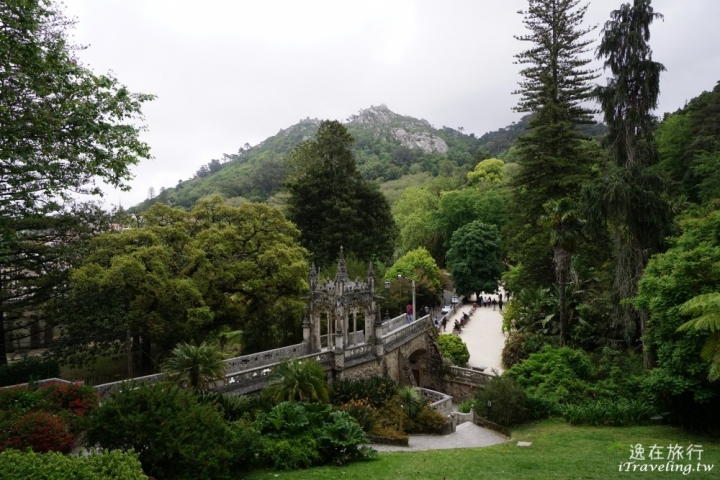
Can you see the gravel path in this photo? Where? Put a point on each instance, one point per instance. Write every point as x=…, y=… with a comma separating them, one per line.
x=467, y=435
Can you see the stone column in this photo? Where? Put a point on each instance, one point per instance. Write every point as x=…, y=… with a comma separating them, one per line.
x=339, y=351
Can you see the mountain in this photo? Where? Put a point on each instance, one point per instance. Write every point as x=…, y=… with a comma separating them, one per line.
x=387, y=146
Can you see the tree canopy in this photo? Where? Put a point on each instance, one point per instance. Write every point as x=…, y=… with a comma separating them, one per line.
x=420, y=266
x=631, y=195
x=64, y=130
x=332, y=204
x=184, y=275
x=475, y=258
x=63, y=126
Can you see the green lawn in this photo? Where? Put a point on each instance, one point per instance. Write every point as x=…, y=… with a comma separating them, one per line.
x=558, y=451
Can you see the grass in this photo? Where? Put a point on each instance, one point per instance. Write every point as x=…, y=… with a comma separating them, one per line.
x=558, y=451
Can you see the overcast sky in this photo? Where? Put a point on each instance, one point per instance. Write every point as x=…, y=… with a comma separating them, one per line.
x=227, y=72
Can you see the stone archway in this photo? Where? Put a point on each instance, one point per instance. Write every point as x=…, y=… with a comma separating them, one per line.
x=418, y=363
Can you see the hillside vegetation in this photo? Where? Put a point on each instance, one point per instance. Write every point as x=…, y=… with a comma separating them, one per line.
x=387, y=147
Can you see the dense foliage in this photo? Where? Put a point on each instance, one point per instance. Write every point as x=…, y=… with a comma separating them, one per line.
x=297, y=380
x=113, y=465
x=173, y=434
x=453, y=347
x=475, y=258
x=688, y=269
x=28, y=370
x=46, y=419
x=183, y=276
x=63, y=129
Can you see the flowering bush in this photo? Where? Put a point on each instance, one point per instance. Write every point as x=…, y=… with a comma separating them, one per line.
x=41, y=431
x=76, y=399
x=45, y=419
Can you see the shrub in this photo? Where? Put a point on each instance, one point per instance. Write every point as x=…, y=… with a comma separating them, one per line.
x=340, y=440
x=291, y=453
x=20, y=400
x=375, y=390
x=454, y=348
x=176, y=436
x=27, y=370
x=607, y=412
x=427, y=420
x=509, y=402
x=233, y=407
x=287, y=419
x=520, y=346
x=76, y=399
x=465, y=406
x=541, y=407
x=558, y=374
x=411, y=400
x=113, y=465
x=362, y=412
x=41, y=431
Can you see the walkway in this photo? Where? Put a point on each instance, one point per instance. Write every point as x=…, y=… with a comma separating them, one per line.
x=467, y=435
x=483, y=336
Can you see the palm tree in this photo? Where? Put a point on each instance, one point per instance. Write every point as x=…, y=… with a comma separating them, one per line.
x=297, y=380
x=561, y=217
x=195, y=367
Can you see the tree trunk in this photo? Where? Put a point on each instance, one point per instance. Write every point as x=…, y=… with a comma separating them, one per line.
x=561, y=257
x=3, y=345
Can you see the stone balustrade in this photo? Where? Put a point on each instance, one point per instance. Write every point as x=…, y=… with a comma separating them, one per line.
x=438, y=400
x=471, y=375
x=256, y=378
x=407, y=332
x=251, y=370
x=245, y=362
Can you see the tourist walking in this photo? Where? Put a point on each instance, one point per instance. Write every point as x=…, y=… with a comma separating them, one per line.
x=500, y=303
x=444, y=323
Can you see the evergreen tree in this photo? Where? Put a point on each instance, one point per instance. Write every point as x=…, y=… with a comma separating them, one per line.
x=332, y=204
x=628, y=198
x=553, y=165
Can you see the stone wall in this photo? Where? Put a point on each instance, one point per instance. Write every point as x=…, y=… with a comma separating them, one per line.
x=462, y=383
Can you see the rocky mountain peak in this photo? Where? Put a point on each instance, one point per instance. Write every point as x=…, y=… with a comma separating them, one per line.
x=375, y=115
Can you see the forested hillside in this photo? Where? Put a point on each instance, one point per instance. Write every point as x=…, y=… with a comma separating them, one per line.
x=387, y=146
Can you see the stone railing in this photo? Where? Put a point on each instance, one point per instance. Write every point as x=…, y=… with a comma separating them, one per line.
x=105, y=389
x=43, y=383
x=409, y=331
x=393, y=324
x=470, y=375
x=438, y=400
x=256, y=378
x=358, y=350
x=259, y=359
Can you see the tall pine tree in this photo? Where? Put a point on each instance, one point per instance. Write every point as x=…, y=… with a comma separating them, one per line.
x=554, y=89
x=629, y=197
x=332, y=204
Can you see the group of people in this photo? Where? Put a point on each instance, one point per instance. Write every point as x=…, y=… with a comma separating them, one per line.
x=494, y=301
x=440, y=324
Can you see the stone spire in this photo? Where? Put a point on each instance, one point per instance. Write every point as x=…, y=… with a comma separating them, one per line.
x=341, y=273
x=313, y=275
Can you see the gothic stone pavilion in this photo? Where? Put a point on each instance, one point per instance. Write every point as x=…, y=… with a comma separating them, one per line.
x=340, y=313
